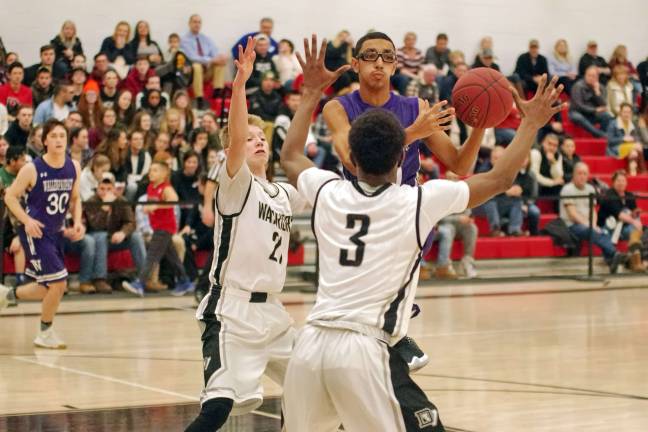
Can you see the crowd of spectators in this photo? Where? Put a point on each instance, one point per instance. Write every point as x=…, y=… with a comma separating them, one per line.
x=142, y=126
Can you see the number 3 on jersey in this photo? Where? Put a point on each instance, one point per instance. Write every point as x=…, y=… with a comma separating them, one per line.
x=355, y=239
x=57, y=203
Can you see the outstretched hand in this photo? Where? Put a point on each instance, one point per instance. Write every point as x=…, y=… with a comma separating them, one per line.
x=431, y=119
x=544, y=104
x=245, y=62
x=316, y=77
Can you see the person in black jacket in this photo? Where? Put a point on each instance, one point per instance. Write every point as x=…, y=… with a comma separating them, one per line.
x=262, y=64
x=266, y=102
x=143, y=45
x=531, y=65
x=591, y=58
x=116, y=46
x=67, y=45
x=589, y=104
x=47, y=57
x=527, y=181
x=19, y=130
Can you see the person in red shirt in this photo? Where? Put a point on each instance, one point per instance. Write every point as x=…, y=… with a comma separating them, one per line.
x=14, y=94
x=505, y=131
x=136, y=80
x=163, y=222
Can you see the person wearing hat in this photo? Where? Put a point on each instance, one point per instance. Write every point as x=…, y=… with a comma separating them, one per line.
x=89, y=105
x=56, y=106
x=262, y=63
x=531, y=66
x=266, y=102
x=485, y=58
x=591, y=57
x=112, y=226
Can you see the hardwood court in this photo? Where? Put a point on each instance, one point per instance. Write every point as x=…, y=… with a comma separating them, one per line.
x=533, y=356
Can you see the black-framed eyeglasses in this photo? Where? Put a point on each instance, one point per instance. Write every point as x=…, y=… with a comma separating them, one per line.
x=372, y=56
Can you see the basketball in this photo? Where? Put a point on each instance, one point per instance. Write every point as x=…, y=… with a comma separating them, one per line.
x=481, y=98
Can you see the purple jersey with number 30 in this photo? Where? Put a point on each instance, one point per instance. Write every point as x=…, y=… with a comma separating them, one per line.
x=49, y=200
x=406, y=109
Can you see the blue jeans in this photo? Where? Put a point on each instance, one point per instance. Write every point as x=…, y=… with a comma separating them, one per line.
x=447, y=231
x=504, y=136
x=86, y=249
x=134, y=243
x=499, y=207
x=533, y=218
x=600, y=239
x=586, y=121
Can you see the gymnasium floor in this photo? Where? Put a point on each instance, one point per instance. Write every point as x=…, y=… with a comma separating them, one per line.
x=531, y=356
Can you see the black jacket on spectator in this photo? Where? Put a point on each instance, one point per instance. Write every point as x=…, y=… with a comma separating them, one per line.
x=568, y=167
x=58, y=72
x=262, y=64
x=588, y=60
x=15, y=136
x=478, y=63
x=584, y=100
x=59, y=47
x=39, y=94
x=112, y=52
x=527, y=69
x=266, y=105
x=612, y=204
x=527, y=181
x=187, y=189
x=447, y=84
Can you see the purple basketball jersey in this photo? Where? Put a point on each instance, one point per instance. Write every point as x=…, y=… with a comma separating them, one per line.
x=406, y=109
x=49, y=200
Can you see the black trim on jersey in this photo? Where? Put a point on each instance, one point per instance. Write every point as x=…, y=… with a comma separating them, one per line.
x=418, y=215
x=315, y=204
x=242, y=207
x=419, y=414
x=284, y=189
x=224, y=246
x=377, y=192
x=211, y=336
x=391, y=316
x=266, y=190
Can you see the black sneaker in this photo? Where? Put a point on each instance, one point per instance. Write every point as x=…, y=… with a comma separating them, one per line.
x=411, y=353
x=616, y=261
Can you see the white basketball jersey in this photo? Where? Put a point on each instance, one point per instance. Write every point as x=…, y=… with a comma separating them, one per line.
x=252, y=232
x=370, y=248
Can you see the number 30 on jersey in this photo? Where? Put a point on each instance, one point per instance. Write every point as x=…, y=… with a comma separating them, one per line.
x=57, y=203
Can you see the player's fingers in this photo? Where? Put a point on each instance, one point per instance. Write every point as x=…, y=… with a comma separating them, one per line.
x=314, y=46
x=439, y=105
x=516, y=98
x=322, y=52
x=40, y=224
x=251, y=44
x=237, y=64
x=341, y=70
x=300, y=60
x=306, y=50
x=542, y=85
x=240, y=52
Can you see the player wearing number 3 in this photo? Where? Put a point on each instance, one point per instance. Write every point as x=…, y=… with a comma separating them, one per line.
x=246, y=331
x=51, y=186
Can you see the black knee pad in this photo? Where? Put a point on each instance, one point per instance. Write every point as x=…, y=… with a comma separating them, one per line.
x=213, y=414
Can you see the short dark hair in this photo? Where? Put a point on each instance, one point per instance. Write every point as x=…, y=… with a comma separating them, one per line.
x=196, y=132
x=74, y=133
x=624, y=105
x=60, y=86
x=290, y=44
x=15, y=65
x=190, y=154
x=442, y=36
x=42, y=70
x=174, y=35
x=14, y=152
x=99, y=54
x=376, y=139
x=615, y=175
x=47, y=47
x=371, y=36
x=50, y=125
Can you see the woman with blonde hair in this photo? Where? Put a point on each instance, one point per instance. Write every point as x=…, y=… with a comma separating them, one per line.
x=560, y=64
x=116, y=46
x=182, y=103
x=620, y=56
x=115, y=147
x=67, y=44
x=619, y=90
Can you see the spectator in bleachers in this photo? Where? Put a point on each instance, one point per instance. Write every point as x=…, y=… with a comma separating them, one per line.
x=125, y=108
x=19, y=130
x=99, y=132
x=619, y=217
x=155, y=106
x=591, y=58
x=410, y=59
x=185, y=183
x=575, y=213
x=112, y=228
x=47, y=58
x=9, y=59
x=4, y=147
x=116, y=46
x=109, y=88
x=485, y=58
x=456, y=57
x=182, y=103
x=78, y=79
x=143, y=46
x=485, y=43
x=560, y=65
x=505, y=131
x=100, y=67
x=619, y=90
x=530, y=66
x=176, y=70
x=79, y=146
x=13, y=160
x=624, y=140
x=266, y=26
x=35, y=147
x=199, y=144
x=263, y=64
x=115, y=146
x=209, y=123
x=439, y=54
x=207, y=62
x=79, y=61
x=642, y=72
x=547, y=166
x=14, y=93
x=142, y=123
x=4, y=119
x=92, y=174
x=620, y=57
x=424, y=85
x=450, y=227
x=67, y=45
x=266, y=102
x=89, y=105
x=136, y=79
x=73, y=120
x=200, y=236
x=286, y=63
x=527, y=181
x=42, y=87
x=589, y=104
x=282, y=122
x=138, y=163
x=569, y=157
x=153, y=82
x=339, y=52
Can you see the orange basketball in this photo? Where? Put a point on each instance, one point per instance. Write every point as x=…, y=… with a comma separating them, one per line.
x=481, y=98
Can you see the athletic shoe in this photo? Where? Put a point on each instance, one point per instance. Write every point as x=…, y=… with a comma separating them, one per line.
x=445, y=272
x=468, y=264
x=4, y=296
x=411, y=353
x=616, y=261
x=48, y=339
x=183, y=288
x=136, y=287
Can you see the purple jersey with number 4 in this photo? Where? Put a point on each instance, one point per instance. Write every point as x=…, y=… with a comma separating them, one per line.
x=49, y=200
x=406, y=109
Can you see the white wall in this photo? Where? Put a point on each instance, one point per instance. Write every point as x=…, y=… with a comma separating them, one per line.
x=27, y=24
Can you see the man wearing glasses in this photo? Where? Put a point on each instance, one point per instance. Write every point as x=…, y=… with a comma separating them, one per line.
x=375, y=62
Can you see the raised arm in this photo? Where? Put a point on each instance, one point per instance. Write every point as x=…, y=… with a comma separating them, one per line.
x=459, y=160
x=237, y=121
x=316, y=79
x=536, y=113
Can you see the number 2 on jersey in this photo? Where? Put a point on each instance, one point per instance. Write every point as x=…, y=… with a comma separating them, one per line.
x=355, y=239
x=276, y=237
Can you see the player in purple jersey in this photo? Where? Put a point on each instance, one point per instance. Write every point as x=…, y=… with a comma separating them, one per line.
x=50, y=185
x=375, y=62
